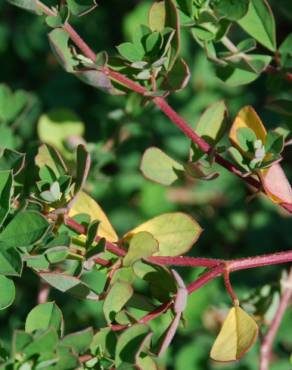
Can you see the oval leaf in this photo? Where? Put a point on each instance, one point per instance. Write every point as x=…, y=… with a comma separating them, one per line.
x=212, y=122
x=45, y=316
x=175, y=233
x=276, y=184
x=237, y=335
x=142, y=245
x=159, y=167
x=26, y=229
x=7, y=289
x=117, y=297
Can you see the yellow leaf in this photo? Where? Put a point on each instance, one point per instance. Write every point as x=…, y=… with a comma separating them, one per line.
x=237, y=335
x=247, y=118
x=85, y=204
x=175, y=232
x=276, y=184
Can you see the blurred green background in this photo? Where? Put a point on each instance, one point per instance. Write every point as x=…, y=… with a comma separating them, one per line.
x=117, y=131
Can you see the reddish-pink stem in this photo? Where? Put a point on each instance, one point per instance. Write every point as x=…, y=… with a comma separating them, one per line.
x=266, y=347
x=185, y=261
x=233, y=265
x=206, y=277
x=158, y=101
x=260, y=261
x=229, y=287
x=72, y=224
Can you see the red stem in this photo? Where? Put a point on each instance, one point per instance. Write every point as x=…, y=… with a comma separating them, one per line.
x=158, y=101
x=82, y=230
x=229, y=287
x=233, y=265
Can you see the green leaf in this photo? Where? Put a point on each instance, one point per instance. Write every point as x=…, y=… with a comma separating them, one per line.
x=24, y=4
x=24, y=230
x=57, y=254
x=83, y=167
x=59, y=43
x=45, y=316
x=159, y=167
x=6, y=192
x=175, y=233
x=7, y=289
x=212, y=123
x=20, y=340
x=66, y=359
x=146, y=363
x=186, y=6
x=274, y=143
x=178, y=76
x=50, y=157
x=233, y=10
x=79, y=341
x=129, y=344
x=246, y=138
x=12, y=103
x=69, y=284
x=116, y=299
x=285, y=51
x=163, y=15
x=95, y=280
x=79, y=7
x=161, y=282
x=11, y=160
x=131, y=52
x=235, y=76
x=104, y=342
x=44, y=342
x=239, y=158
x=10, y=262
x=259, y=23
x=54, y=21
x=56, y=126
x=142, y=245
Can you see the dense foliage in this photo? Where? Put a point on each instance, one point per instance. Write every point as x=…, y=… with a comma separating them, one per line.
x=78, y=291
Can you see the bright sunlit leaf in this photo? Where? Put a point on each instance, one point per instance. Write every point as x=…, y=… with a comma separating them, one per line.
x=237, y=335
x=84, y=204
x=175, y=232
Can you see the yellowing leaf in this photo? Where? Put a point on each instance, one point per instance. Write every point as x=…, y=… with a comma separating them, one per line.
x=237, y=335
x=84, y=204
x=247, y=118
x=175, y=233
x=276, y=184
x=157, y=16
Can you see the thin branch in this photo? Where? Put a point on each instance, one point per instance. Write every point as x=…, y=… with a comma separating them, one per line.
x=229, y=287
x=158, y=101
x=267, y=344
x=233, y=265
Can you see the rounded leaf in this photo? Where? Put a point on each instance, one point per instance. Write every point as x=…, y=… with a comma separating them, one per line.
x=175, y=233
x=237, y=335
x=7, y=289
x=276, y=184
x=44, y=316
